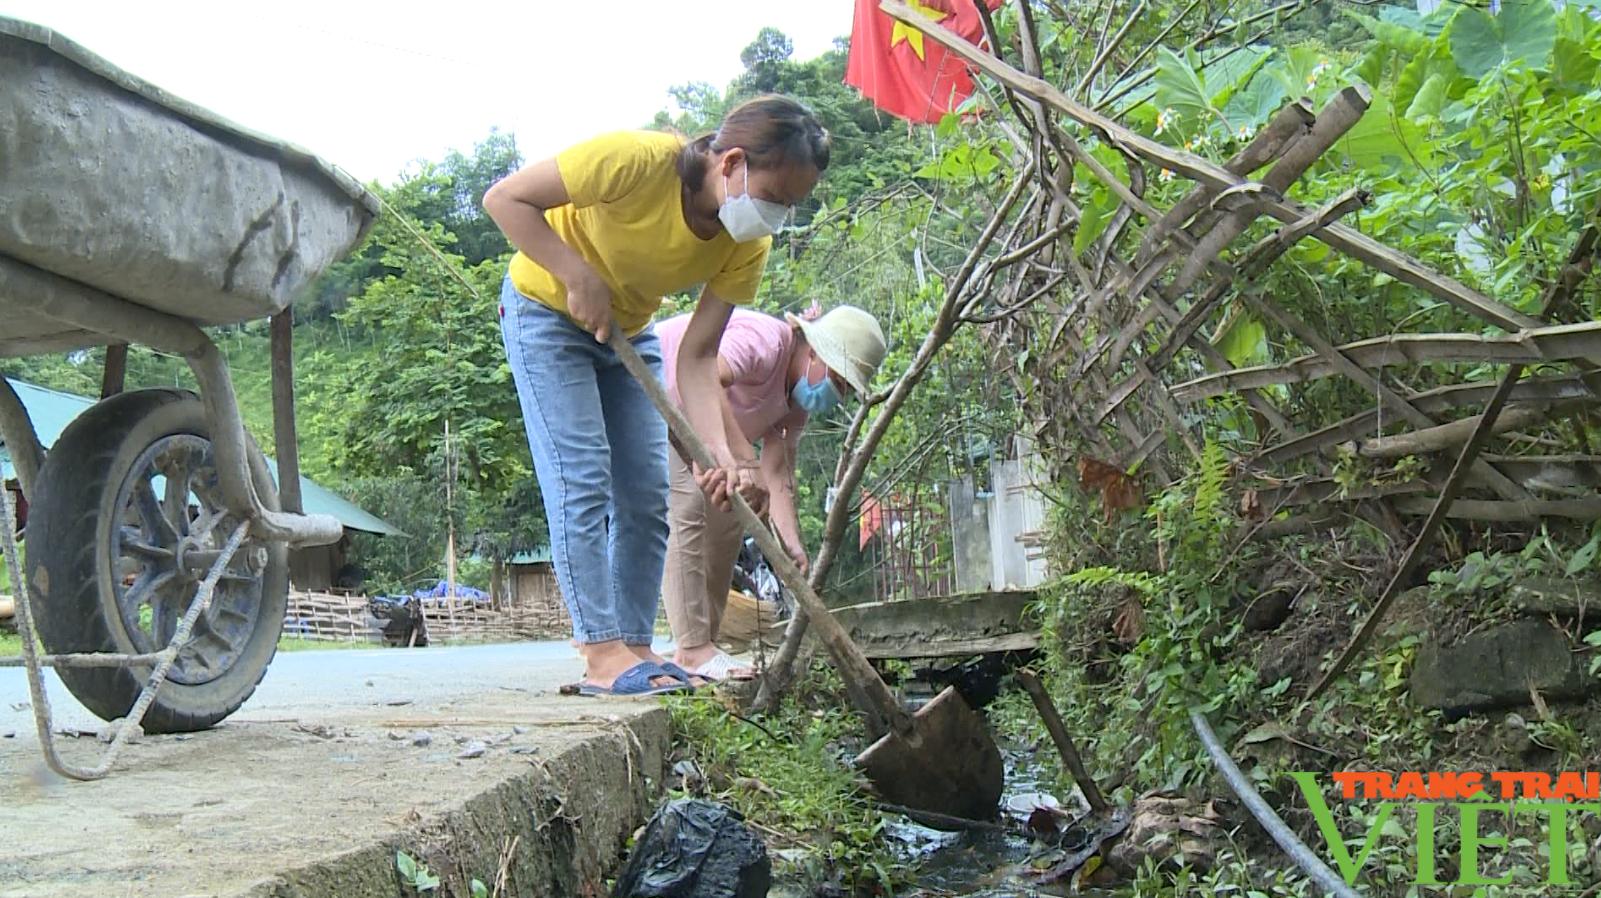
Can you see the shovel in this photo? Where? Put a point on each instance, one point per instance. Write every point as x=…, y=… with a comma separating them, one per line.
x=942, y=759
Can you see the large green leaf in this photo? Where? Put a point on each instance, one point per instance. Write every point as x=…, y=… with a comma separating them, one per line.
x=1253, y=106
x=1574, y=63
x=1395, y=36
x=1524, y=33
x=1298, y=68
x=1417, y=73
x=1411, y=79
x=1230, y=74
x=1179, y=86
x=1432, y=25
x=1383, y=140
x=1097, y=215
x=1243, y=341
x=1430, y=98
x=1371, y=68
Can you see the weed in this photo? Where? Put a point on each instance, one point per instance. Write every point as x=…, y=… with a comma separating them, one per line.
x=791, y=778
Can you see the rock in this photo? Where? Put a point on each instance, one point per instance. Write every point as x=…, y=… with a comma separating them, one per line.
x=696, y=849
x=1566, y=598
x=473, y=749
x=1270, y=609
x=1497, y=668
x=1169, y=829
x=422, y=739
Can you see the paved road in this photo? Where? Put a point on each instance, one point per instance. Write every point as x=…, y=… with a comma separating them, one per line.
x=322, y=683
x=339, y=757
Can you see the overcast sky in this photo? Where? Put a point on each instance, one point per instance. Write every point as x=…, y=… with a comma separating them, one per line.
x=373, y=89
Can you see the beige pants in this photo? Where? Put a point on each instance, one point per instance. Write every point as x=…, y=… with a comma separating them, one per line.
x=702, y=545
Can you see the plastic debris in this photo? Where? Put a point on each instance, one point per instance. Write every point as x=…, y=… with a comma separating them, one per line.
x=696, y=849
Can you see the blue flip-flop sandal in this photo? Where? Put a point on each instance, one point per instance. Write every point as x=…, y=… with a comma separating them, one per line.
x=635, y=681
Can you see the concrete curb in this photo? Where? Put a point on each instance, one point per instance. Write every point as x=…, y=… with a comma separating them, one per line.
x=570, y=816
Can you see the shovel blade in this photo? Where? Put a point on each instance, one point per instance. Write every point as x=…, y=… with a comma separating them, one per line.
x=949, y=765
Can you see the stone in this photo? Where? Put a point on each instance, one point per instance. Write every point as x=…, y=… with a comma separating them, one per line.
x=1566, y=598
x=1497, y=668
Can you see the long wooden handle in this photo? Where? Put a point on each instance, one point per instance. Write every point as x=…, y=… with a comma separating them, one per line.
x=872, y=695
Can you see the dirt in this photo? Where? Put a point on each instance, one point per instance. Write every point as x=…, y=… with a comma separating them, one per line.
x=306, y=807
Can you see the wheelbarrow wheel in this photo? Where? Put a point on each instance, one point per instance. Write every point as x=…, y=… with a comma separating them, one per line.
x=127, y=522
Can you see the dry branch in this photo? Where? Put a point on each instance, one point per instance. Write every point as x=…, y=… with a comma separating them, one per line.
x=1565, y=342
x=1508, y=512
x=1337, y=117
x=1444, y=436
x=1358, y=246
x=1549, y=389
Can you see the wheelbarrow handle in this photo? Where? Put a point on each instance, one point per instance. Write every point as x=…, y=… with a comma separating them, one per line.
x=853, y=665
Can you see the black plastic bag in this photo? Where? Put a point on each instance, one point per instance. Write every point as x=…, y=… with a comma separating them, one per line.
x=696, y=849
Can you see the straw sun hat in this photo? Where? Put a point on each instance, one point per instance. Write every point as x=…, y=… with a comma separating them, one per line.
x=849, y=341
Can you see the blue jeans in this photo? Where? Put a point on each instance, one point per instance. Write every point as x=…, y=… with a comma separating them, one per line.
x=600, y=452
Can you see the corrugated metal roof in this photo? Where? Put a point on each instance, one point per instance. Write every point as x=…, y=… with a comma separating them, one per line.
x=540, y=555
x=53, y=410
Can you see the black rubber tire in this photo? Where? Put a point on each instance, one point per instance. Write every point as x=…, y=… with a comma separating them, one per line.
x=69, y=568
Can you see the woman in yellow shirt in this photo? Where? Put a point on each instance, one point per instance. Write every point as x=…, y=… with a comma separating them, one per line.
x=603, y=231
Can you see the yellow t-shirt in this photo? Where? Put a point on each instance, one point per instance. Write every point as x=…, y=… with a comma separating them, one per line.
x=626, y=219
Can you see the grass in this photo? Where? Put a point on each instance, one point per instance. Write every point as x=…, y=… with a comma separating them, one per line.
x=294, y=644
x=11, y=644
x=790, y=775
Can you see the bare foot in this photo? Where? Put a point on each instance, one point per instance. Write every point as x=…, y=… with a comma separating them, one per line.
x=695, y=657
x=604, y=662
x=643, y=653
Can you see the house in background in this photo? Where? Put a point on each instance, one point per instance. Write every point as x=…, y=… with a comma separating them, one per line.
x=314, y=570
x=530, y=587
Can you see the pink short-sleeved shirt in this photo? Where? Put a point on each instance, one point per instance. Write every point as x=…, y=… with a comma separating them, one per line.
x=756, y=347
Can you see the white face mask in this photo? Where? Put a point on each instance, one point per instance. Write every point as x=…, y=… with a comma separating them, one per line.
x=747, y=218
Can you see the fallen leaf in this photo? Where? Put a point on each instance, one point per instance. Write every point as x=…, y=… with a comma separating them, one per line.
x=1129, y=625
x=1267, y=732
x=1251, y=505
x=1118, y=490
x=1047, y=822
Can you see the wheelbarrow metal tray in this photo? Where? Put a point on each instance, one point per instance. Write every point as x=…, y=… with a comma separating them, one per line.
x=110, y=182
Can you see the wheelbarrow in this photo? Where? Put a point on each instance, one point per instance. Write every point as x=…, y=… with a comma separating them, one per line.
x=129, y=216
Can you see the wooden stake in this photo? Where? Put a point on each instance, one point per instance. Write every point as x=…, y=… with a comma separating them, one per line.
x=1064, y=742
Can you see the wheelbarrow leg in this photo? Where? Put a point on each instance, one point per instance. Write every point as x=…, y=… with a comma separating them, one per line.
x=283, y=412
x=115, y=375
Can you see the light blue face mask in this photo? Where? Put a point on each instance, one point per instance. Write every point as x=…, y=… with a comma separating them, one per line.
x=816, y=399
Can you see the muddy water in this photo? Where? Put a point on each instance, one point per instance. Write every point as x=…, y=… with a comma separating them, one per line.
x=988, y=864
x=979, y=863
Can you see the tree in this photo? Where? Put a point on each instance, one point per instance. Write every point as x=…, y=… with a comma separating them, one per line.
x=436, y=362
x=449, y=193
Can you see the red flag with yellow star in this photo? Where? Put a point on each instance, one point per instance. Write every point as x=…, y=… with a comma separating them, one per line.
x=904, y=73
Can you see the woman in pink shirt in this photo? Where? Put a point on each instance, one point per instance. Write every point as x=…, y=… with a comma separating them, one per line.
x=775, y=374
